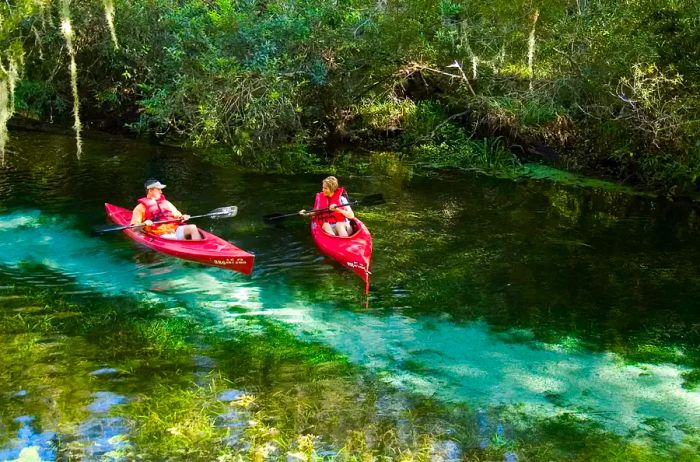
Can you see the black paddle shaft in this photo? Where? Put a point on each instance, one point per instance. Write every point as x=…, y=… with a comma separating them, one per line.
x=221, y=212
x=372, y=199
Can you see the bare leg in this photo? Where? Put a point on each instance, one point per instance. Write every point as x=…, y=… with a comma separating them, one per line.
x=192, y=233
x=342, y=229
x=328, y=229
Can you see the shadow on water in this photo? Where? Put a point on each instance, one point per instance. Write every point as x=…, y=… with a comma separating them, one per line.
x=506, y=320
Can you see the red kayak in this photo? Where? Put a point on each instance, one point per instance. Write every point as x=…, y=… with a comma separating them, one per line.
x=354, y=251
x=211, y=250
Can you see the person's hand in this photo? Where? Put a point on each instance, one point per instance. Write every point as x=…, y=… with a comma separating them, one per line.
x=302, y=212
x=184, y=217
x=332, y=207
x=148, y=223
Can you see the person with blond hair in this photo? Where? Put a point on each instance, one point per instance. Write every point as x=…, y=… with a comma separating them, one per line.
x=336, y=220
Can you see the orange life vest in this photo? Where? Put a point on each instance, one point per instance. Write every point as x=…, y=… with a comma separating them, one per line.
x=158, y=210
x=323, y=202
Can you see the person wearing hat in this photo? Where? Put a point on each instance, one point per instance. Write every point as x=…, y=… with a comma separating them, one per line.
x=154, y=208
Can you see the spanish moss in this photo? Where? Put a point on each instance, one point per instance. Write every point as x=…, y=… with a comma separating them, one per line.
x=7, y=102
x=109, y=16
x=531, y=48
x=4, y=116
x=67, y=31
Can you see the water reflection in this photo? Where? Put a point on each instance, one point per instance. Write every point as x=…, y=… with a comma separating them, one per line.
x=103, y=438
x=104, y=401
x=104, y=371
x=431, y=356
x=30, y=444
x=235, y=420
x=525, y=302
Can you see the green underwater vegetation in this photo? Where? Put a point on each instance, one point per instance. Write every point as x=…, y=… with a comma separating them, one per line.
x=528, y=320
x=184, y=389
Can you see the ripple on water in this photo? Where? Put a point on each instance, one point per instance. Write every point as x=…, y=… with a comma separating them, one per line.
x=294, y=257
x=230, y=395
x=100, y=435
x=475, y=366
x=235, y=421
x=104, y=401
x=104, y=371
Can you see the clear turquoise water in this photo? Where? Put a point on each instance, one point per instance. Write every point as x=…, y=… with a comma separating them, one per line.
x=541, y=311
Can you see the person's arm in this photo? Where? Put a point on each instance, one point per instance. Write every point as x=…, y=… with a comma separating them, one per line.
x=345, y=211
x=176, y=213
x=137, y=215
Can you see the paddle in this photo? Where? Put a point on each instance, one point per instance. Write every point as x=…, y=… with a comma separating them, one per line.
x=372, y=199
x=221, y=212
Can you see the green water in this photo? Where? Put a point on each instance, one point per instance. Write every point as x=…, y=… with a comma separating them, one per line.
x=507, y=320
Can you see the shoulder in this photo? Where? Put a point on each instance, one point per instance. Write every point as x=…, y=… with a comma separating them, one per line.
x=139, y=207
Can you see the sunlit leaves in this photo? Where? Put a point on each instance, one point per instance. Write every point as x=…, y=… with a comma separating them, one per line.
x=318, y=59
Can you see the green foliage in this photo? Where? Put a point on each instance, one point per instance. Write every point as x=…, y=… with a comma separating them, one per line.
x=293, y=157
x=39, y=100
x=164, y=336
x=486, y=155
x=529, y=112
x=433, y=141
x=252, y=76
x=422, y=122
x=385, y=115
x=691, y=379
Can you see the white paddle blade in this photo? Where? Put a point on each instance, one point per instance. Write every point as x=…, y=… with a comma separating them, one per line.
x=225, y=212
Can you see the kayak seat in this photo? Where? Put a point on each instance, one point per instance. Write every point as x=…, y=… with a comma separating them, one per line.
x=354, y=228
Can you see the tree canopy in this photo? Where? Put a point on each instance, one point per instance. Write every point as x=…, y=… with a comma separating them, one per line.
x=607, y=87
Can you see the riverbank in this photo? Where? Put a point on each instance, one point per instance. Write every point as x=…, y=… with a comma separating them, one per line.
x=483, y=156
x=595, y=89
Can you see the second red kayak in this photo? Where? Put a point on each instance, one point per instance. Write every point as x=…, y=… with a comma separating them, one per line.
x=353, y=252
x=211, y=250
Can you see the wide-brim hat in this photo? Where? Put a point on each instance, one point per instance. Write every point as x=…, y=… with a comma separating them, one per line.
x=150, y=184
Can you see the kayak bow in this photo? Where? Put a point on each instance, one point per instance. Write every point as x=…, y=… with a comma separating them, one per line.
x=212, y=250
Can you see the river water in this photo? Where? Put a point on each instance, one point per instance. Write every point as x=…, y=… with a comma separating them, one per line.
x=507, y=320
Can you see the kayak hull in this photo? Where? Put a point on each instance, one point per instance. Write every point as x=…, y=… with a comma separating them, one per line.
x=212, y=250
x=354, y=252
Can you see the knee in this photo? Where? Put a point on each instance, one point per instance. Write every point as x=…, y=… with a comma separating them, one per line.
x=192, y=233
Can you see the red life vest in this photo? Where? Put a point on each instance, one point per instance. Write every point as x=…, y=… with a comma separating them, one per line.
x=158, y=210
x=322, y=202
